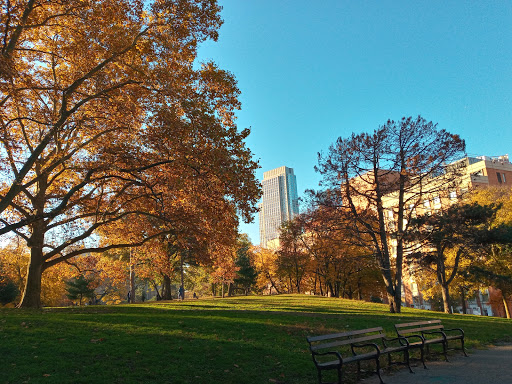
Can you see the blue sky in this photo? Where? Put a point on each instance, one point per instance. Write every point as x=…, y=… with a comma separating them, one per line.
x=312, y=71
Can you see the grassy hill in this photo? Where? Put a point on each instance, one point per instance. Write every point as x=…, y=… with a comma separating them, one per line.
x=234, y=340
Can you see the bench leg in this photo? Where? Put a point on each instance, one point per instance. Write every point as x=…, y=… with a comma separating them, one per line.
x=423, y=357
x=445, y=350
x=377, y=363
x=463, y=349
x=407, y=360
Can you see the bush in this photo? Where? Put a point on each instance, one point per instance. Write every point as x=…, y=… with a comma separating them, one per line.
x=8, y=291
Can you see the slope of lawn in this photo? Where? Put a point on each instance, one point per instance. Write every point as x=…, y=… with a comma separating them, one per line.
x=248, y=340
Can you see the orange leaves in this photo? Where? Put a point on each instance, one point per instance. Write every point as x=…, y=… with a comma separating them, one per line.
x=110, y=130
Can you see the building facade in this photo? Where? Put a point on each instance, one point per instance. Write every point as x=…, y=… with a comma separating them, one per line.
x=280, y=203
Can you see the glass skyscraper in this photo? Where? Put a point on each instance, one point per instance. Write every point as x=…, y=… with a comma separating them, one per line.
x=280, y=202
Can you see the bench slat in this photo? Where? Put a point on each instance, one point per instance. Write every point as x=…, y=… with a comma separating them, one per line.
x=343, y=334
x=416, y=330
x=416, y=323
x=346, y=342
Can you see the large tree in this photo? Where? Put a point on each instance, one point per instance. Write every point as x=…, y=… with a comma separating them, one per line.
x=341, y=267
x=463, y=229
x=104, y=119
x=379, y=178
x=294, y=261
x=494, y=267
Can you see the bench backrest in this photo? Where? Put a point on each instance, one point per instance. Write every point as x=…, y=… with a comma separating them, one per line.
x=417, y=327
x=336, y=341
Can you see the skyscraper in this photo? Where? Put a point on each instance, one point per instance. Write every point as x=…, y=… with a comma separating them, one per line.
x=280, y=202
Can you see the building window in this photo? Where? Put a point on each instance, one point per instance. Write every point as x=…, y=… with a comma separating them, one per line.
x=499, y=177
x=453, y=195
x=412, y=210
x=426, y=205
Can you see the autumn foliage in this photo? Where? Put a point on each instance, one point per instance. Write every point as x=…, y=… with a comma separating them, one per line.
x=109, y=126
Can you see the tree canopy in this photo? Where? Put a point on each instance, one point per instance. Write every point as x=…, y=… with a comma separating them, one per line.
x=108, y=123
x=377, y=177
x=461, y=228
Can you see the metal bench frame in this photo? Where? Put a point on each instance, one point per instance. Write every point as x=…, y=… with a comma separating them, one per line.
x=365, y=344
x=430, y=332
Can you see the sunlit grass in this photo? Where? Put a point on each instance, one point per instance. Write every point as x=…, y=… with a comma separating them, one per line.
x=233, y=340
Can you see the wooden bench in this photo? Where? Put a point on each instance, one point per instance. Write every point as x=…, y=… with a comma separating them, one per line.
x=430, y=332
x=332, y=352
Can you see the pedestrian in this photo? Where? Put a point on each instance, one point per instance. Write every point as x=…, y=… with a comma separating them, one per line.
x=181, y=294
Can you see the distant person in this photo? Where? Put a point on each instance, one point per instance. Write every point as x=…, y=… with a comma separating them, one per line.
x=195, y=296
x=128, y=296
x=181, y=294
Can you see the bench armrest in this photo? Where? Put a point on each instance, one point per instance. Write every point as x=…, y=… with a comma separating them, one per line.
x=421, y=338
x=335, y=353
x=402, y=340
x=353, y=346
x=455, y=329
x=423, y=333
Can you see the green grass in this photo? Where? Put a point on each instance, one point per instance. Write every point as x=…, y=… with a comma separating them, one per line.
x=234, y=340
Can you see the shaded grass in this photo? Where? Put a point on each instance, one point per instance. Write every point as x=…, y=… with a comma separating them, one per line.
x=233, y=340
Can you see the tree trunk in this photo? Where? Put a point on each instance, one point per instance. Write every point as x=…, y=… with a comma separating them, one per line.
x=32, y=293
x=272, y=284
x=394, y=306
x=394, y=293
x=132, y=280
x=166, y=290
x=182, y=274
x=463, y=300
x=359, y=290
x=158, y=297
x=505, y=304
x=394, y=296
x=446, y=299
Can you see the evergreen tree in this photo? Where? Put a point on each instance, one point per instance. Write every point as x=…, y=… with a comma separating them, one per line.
x=8, y=291
x=246, y=275
x=78, y=289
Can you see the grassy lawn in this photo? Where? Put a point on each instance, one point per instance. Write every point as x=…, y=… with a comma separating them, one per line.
x=234, y=340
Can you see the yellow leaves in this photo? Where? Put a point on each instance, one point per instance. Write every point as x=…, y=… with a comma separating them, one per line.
x=495, y=195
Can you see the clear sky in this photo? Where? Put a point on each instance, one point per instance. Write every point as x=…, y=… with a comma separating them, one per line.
x=312, y=71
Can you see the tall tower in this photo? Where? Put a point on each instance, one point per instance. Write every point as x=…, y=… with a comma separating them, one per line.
x=280, y=202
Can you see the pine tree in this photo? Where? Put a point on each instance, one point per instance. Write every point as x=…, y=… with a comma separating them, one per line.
x=78, y=289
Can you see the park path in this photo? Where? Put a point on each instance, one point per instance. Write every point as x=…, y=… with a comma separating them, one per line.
x=490, y=366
